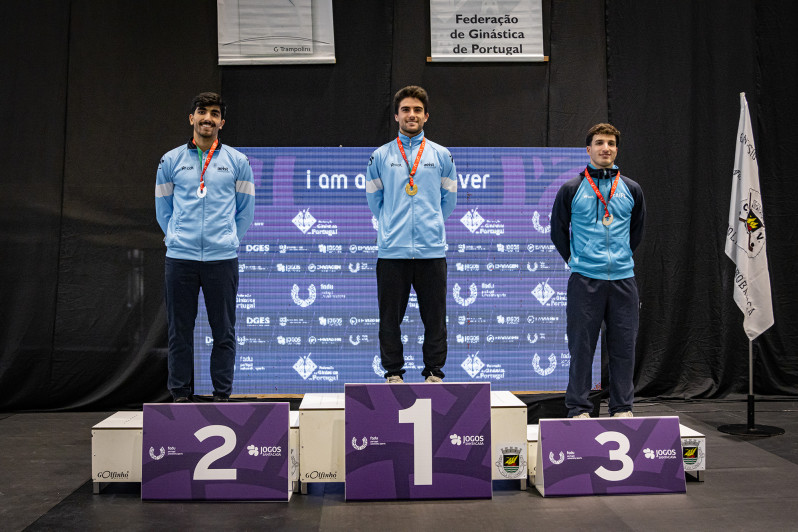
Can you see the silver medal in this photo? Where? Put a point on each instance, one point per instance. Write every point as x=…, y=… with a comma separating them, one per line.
x=201, y=191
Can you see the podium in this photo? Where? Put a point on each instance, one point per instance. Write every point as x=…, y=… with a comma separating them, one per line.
x=609, y=456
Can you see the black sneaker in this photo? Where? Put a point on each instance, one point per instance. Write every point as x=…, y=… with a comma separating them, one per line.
x=220, y=399
x=182, y=399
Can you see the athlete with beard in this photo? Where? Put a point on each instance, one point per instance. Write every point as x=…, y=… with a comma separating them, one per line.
x=204, y=203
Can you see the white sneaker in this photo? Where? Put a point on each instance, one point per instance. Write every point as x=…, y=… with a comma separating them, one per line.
x=433, y=378
x=628, y=413
x=394, y=379
x=583, y=415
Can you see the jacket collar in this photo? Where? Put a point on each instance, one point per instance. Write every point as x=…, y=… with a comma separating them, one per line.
x=411, y=141
x=192, y=146
x=602, y=173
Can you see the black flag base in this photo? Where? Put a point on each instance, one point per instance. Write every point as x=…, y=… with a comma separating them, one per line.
x=761, y=431
x=751, y=429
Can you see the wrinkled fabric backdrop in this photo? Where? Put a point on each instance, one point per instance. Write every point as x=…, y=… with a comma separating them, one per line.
x=93, y=93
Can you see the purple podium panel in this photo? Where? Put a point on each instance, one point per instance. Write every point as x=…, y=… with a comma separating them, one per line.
x=418, y=441
x=609, y=456
x=215, y=451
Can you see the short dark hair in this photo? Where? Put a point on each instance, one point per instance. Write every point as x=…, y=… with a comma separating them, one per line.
x=603, y=129
x=411, y=91
x=206, y=99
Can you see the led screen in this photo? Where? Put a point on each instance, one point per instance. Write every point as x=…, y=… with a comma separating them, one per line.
x=307, y=316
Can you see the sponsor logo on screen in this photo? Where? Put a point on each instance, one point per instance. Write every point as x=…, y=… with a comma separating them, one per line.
x=472, y=365
x=331, y=248
x=256, y=248
x=245, y=301
x=466, y=267
x=542, y=319
x=303, y=302
x=536, y=223
x=489, y=290
x=543, y=292
x=508, y=248
x=549, y=369
x=472, y=220
x=544, y=248
x=465, y=301
x=304, y=220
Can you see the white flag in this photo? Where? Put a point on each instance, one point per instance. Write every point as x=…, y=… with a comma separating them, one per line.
x=745, y=236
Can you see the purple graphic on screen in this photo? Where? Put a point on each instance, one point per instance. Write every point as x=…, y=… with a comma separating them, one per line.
x=611, y=456
x=234, y=451
x=283, y=178
x=514, y=181
x=418, y=441
x=306, y=310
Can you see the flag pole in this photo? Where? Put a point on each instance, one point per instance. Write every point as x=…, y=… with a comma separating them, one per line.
x=751, y=428
x=745, y=245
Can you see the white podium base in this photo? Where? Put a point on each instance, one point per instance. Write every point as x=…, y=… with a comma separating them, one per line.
x=116, y=449
x=322, y=434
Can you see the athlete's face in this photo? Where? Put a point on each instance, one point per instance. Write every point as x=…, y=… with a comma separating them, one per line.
x=603, y=150
x=411, y=116
x=207, y=122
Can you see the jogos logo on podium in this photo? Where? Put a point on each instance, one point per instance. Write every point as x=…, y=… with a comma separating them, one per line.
x=609, y=456
x=418, y=441
x=227, y=451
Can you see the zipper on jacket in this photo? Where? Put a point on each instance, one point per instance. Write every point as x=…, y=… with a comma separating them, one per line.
x=202, y=224
x=412, y=209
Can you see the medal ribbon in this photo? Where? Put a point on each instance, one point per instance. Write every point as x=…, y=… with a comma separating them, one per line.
x=207, y=160
x=598, y=192
x=418, y=158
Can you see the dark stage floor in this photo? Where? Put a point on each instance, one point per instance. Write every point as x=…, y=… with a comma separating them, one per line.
x=750, y=484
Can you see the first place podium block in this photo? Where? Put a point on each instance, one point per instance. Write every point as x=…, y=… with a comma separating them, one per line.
x=418, y=441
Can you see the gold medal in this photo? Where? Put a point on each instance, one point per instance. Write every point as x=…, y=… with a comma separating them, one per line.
x=607, y=220
x=411, y=191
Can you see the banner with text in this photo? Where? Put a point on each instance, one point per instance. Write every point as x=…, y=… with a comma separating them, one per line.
x=252, y=32
x=506, y=30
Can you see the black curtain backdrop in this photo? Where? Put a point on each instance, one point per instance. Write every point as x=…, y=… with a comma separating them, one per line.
x=96, y=92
